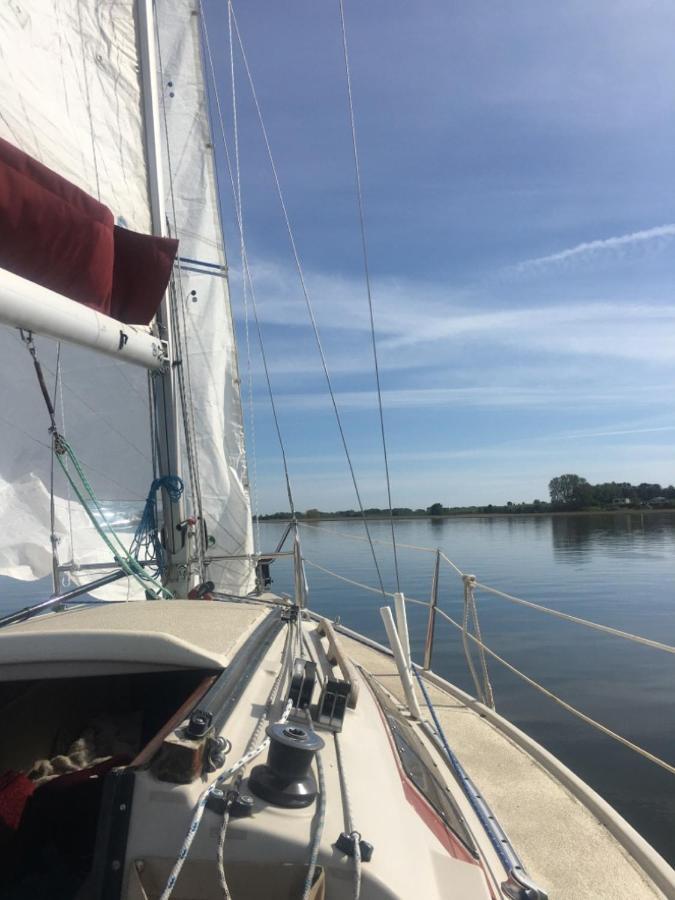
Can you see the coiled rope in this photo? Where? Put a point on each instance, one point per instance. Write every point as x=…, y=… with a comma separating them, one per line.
x=146, y=538
x=85, y=494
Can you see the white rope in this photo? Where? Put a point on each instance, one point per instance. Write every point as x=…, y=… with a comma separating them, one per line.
x=201, y=806
x=356, y=892
x=467, y=647
x=365, y=587
x=571, y=709
x=607, y=629
x=356, y=537
x=451, y=563
x=275, y=694
x=470, y=608
x=318, y=831
x=199, y=812
x=249, y=755
x=349, y=821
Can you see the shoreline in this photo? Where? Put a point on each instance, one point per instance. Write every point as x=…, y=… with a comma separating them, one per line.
x=474, y=515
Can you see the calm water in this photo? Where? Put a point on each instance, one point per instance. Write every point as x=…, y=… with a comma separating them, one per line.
x=615, y=569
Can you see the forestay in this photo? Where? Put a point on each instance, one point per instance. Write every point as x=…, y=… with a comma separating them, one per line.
x=72, y=99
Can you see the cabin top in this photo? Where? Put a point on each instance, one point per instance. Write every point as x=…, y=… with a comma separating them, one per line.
x=127, y=637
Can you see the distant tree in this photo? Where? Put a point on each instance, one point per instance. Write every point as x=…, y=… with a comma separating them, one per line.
x=313, y=514
x=647, y=491
x=436, y=509
x=571, y=491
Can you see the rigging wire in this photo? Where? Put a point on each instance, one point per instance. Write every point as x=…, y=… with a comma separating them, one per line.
x=246, y=272
x=52, y=507
x=69, y=497
x=305, y=292
x=83, y=490
x=366, y=271
x=242, y=251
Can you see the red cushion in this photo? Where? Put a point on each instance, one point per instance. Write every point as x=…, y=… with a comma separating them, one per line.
x=15, y=789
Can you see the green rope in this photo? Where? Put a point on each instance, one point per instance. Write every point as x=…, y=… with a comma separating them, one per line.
x=85, y=494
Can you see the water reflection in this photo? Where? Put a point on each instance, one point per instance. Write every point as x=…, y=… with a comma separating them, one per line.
x=576, y=538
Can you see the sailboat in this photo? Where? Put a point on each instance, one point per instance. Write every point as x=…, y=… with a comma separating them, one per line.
x=191, y=734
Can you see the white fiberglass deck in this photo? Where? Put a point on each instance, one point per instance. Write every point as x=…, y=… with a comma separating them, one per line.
x=564, y=847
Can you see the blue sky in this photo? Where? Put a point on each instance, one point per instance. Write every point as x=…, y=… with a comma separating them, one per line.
x=518, y=165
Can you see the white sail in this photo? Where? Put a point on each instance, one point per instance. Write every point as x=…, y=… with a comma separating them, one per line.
x=72, y=99
x=211, y=363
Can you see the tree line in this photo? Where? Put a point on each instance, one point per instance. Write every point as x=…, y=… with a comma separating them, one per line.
x=566, y=492
x=574, y=492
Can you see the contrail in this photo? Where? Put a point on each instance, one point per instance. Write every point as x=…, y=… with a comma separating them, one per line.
x=591, y=248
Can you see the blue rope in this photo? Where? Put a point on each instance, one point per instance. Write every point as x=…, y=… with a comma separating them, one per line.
x=465, y=781
x=146, y=539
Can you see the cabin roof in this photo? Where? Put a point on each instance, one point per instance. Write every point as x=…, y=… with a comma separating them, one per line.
x=128, y=637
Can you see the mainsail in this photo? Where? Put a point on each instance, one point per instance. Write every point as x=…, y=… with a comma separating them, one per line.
x=78, y=110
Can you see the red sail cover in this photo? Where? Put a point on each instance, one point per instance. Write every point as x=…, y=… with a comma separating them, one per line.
x=56, y=235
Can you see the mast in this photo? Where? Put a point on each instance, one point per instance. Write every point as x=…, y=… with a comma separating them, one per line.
x=176, y=576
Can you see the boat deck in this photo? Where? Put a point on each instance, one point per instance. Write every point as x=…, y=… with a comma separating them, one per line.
x=567, y=849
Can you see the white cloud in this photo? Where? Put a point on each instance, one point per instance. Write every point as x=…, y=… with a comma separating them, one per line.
x=620, y=246
x=491, y=396
x=413, y=315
